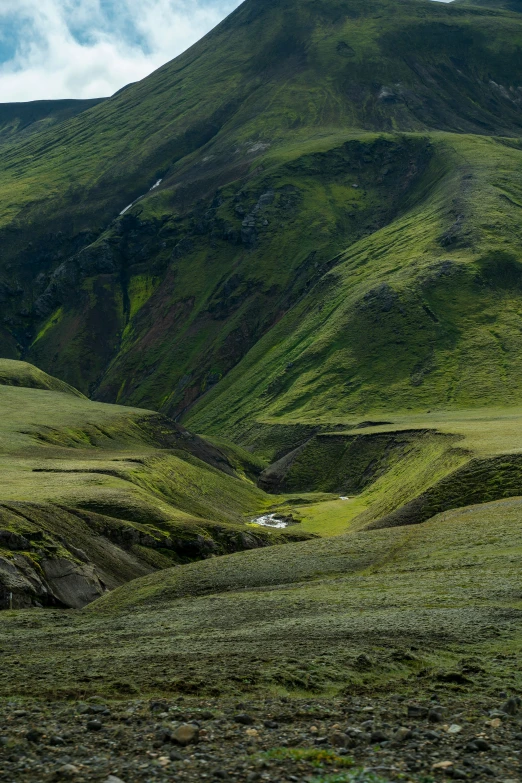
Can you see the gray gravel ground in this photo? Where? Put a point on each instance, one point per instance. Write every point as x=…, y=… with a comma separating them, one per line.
x=390, y=738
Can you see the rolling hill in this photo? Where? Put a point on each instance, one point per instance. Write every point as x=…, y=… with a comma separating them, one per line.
x=93, y=495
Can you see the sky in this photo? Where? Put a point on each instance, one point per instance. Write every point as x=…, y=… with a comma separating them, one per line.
x=90, y=48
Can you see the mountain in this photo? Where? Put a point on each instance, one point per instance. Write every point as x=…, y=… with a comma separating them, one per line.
x=325, y=221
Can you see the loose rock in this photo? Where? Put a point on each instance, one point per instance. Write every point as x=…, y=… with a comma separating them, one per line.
x=185, y=734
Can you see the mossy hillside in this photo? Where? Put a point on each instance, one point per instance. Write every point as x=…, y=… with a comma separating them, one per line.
x=244, y=462
x=273, y=82
x=414, y=609
x=111, y=448
x=348, y=464
x=429, y=303
x=477, y=482
x=422, y=550
x=372, y=475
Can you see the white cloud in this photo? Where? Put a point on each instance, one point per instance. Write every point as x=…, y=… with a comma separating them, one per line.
x=91, y=48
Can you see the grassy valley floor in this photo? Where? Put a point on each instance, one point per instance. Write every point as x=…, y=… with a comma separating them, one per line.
x=346, y=634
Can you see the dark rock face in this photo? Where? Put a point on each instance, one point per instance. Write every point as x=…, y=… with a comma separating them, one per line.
x=57, y=581
x=248, y=231
x=20, y=585
x=13, y=541
x=72, y=584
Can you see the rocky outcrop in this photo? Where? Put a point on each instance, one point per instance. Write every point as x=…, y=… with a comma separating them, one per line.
x=73, y=584
x=57, y=581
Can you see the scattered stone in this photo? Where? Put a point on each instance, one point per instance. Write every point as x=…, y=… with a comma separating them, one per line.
x=457, y=773
x=417, y=711
x=338, y=739
x=402, y=734
x=244, y=719
x=34, y=735
x=95, y=709
x=158, y=706
x=66, y=772
x=134, y=740
x=94, y=725
x=454, y=729
x=443, y=765
x=186, y=734
x=435, y=716
x=511, y=706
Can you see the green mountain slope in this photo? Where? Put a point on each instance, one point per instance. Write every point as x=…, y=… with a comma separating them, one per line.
x=423, y=312
x=336, y=226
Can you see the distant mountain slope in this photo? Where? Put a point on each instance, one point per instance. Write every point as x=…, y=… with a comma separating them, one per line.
x=508, y=5
x=37, y=116
x=323, y=218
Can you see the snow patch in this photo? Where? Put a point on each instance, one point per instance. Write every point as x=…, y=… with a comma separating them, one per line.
x=156, y=185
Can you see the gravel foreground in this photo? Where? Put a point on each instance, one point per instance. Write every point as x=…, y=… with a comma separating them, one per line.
x=332, y=741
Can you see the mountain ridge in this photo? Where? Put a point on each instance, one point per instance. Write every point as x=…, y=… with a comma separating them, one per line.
x=35, y=116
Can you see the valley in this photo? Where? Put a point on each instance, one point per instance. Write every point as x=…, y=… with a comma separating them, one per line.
x=261, y=407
